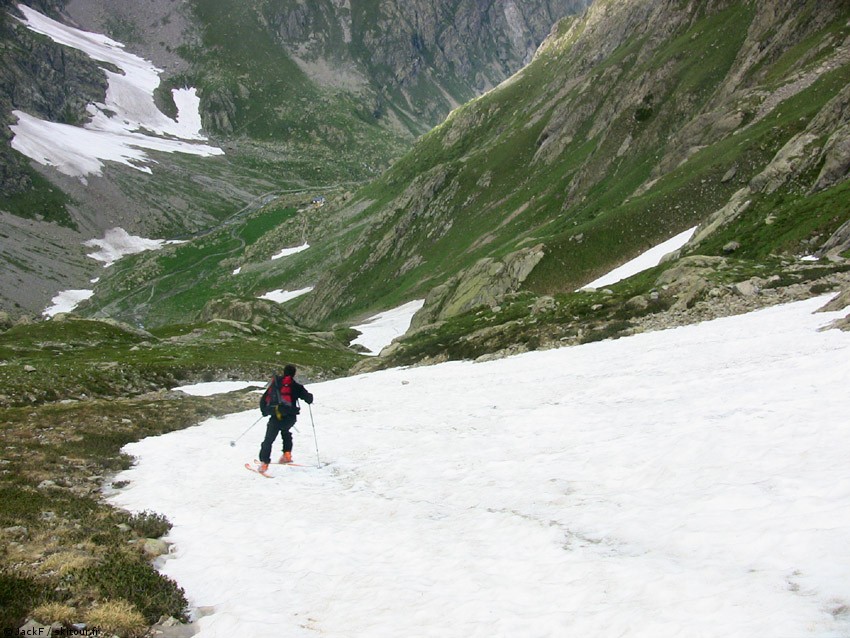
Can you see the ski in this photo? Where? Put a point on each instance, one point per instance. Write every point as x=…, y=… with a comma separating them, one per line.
x=248, y=466
x=277, y=463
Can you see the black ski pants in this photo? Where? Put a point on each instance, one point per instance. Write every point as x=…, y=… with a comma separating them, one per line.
x=274, y=427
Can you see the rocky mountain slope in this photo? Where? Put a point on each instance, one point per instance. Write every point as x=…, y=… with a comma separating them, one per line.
x=283, y=87
x=633, y=123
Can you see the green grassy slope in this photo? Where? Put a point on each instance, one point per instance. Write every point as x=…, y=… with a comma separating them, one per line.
x=595, y=158
x=598, y=157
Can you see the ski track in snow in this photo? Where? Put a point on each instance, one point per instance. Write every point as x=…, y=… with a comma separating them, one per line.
x=691, y=482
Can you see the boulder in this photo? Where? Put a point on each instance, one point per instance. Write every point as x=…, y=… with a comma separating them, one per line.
x=18, y=532
x=839, y=242
x=838, y=303
x=154, y=547
x=748, y=288
x=638, y=303
x=484, y=283
x=687, y=280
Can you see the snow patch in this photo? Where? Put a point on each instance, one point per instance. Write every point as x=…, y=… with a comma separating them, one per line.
x=217, y=387
x=379, y=331
x=66, y=301
x=118, y=243
x=281, y=296
x=649, y=259
x=290, y=251
x=123, y=126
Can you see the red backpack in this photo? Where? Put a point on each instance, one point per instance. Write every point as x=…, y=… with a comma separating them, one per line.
x=279, y=399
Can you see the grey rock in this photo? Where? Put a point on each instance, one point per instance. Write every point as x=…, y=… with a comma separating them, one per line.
x=485, y=283
x=838, y=242
x=543, y=304
x=839, y=324
x=839, y=302
x=729, y=175
x=154, y=547
x=747, y=288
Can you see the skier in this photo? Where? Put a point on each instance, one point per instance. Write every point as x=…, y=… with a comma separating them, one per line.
x=280, y=403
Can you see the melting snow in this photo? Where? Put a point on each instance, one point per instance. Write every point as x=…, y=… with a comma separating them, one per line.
x=66, y=301
x=120, y=127
x=117, y=243
x=649, y=259
x=280, y=296
x=379, y=331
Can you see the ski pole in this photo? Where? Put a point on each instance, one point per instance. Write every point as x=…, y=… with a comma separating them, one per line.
x=316, y=440
x=233, y=442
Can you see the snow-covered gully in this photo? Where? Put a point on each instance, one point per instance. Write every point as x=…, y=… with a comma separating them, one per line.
x=692, y=482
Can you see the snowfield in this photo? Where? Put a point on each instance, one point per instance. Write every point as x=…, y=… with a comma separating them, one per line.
x=120, y=128
x=286, y=252
x=690, y=483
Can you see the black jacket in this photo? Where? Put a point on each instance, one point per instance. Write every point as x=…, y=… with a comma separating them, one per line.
x=298, y=392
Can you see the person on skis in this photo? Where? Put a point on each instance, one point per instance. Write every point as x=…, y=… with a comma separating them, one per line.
x=280, y=403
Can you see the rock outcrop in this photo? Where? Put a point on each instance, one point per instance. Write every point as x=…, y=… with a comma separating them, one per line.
x=485, y=283
x=42, y=80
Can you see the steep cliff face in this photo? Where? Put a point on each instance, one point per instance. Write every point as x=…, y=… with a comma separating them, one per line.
x=44, y=80
x=636, y=122
x=409, y=63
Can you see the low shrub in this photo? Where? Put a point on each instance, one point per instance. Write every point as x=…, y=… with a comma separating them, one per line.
x=149, y=524
x=17, y=596
x=127, y=576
